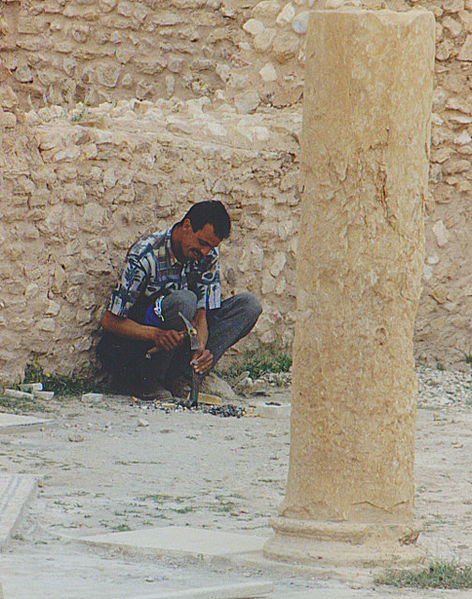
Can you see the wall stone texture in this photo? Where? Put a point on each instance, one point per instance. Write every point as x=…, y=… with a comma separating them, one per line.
x=113, y=112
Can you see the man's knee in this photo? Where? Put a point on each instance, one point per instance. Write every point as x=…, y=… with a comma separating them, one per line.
x=250, y=305
x=183, y=300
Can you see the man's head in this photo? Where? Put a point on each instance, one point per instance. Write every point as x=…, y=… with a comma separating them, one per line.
x=204, y=227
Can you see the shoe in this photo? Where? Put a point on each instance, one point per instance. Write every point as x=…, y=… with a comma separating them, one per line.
x=180, y=387
x=156, y=393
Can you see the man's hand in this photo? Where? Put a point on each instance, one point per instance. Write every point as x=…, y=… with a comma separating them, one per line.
x=202, y=361
x=167, y=340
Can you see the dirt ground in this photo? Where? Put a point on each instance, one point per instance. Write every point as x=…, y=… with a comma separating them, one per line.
x=119, y=466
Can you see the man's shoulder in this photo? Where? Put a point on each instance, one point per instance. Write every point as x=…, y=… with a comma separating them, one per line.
x=148, y=244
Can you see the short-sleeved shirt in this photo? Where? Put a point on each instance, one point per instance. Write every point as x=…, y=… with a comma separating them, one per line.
x=151, y=272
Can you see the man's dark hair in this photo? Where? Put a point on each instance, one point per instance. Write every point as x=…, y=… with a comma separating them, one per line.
x=212, y=212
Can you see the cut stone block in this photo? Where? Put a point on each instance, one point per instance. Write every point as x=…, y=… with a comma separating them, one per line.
x=45, y=395
x=245, y=590
x=13, y=422
x=16, y=490
x=31, y=387
x=181, y=541
x=267, y=409
x=15, y=394
x=93, y=397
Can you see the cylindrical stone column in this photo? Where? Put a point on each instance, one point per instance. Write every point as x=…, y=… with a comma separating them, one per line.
x=365, y=159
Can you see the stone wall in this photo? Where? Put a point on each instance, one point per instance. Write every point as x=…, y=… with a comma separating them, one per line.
x=76, y=194
x=245, y=60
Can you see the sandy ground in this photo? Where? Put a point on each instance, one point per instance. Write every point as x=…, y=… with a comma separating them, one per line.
x=190, y=468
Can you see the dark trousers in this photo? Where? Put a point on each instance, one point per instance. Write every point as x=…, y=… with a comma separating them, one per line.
x=125, y=359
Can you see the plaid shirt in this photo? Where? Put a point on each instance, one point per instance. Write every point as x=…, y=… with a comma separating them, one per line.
x=151, y=272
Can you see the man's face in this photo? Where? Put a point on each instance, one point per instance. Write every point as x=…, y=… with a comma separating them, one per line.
x=196, y=244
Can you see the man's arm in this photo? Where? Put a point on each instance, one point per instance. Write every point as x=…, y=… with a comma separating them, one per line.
x=125, y=327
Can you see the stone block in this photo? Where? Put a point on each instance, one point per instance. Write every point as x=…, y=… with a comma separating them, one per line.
x=15, y=394
x=16, y=491
x=180, y=542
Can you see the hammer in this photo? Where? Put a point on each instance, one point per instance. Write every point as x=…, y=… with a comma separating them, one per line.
x=192, y=400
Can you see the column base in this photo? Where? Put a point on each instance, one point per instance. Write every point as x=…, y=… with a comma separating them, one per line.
x=344, y=543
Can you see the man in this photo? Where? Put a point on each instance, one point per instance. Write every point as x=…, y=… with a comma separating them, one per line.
x=144, y=346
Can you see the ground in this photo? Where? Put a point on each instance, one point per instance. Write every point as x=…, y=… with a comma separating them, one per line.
x=118, y=465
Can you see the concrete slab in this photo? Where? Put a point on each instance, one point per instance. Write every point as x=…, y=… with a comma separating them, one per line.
x=16, y=490
x=180, y=541
x=10, y=423
x=245, y=590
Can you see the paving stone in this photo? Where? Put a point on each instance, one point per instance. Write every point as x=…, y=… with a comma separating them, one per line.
x=180, y=542
x=243, y=590
x=13, y=422
x=16, y=490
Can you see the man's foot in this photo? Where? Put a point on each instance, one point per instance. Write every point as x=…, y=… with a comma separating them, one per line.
x=156, y=393
x=180, y=387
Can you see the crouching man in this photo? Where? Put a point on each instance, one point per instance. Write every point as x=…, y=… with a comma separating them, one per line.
x=144, y=347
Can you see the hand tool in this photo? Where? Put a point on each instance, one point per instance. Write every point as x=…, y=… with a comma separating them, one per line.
x=192, y=400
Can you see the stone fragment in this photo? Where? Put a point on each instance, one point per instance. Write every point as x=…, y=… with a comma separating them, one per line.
x=452, y=5
x=286, y=15
x=267, y=9
x=142, y=422
x=247, y=102
x=452, y=25
x=93, y=397
x=300, y=22
x=285, y=47
x=268, y=72
x=31, y=387
x=7, y=119
x=465, y=52
x=263, y=41
x=24, y=74
x=253, y=27
x=75, y=438
x=441, y=233
x=15, y=394
x=108, y=75
x=44, y=395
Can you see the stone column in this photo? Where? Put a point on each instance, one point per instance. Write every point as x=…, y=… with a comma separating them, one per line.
x=365, y=158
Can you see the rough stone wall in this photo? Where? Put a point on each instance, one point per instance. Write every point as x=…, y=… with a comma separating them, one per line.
x=246, y=58
x=75, y=195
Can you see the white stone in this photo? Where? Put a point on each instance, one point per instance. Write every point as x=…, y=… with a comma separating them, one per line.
x=268, y=72
x=247, y=102
x=466, y=50
x=267, y=9
x=181, y=541
x=15, y=394
x=216, y=129
x=462, y=139
x=286, y=15
x=427, y=272
x=31, y=387
x=432, y=259
x=13, y=422
x=44, y=395
x=93, y=397
x=16, y=491
x=300, y=22
x=246, y=590
x=278, y=264
x=253, y=26
x=441, y=233
x=142, y=422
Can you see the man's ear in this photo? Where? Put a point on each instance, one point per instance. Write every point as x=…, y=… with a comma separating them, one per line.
x=187, y=225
